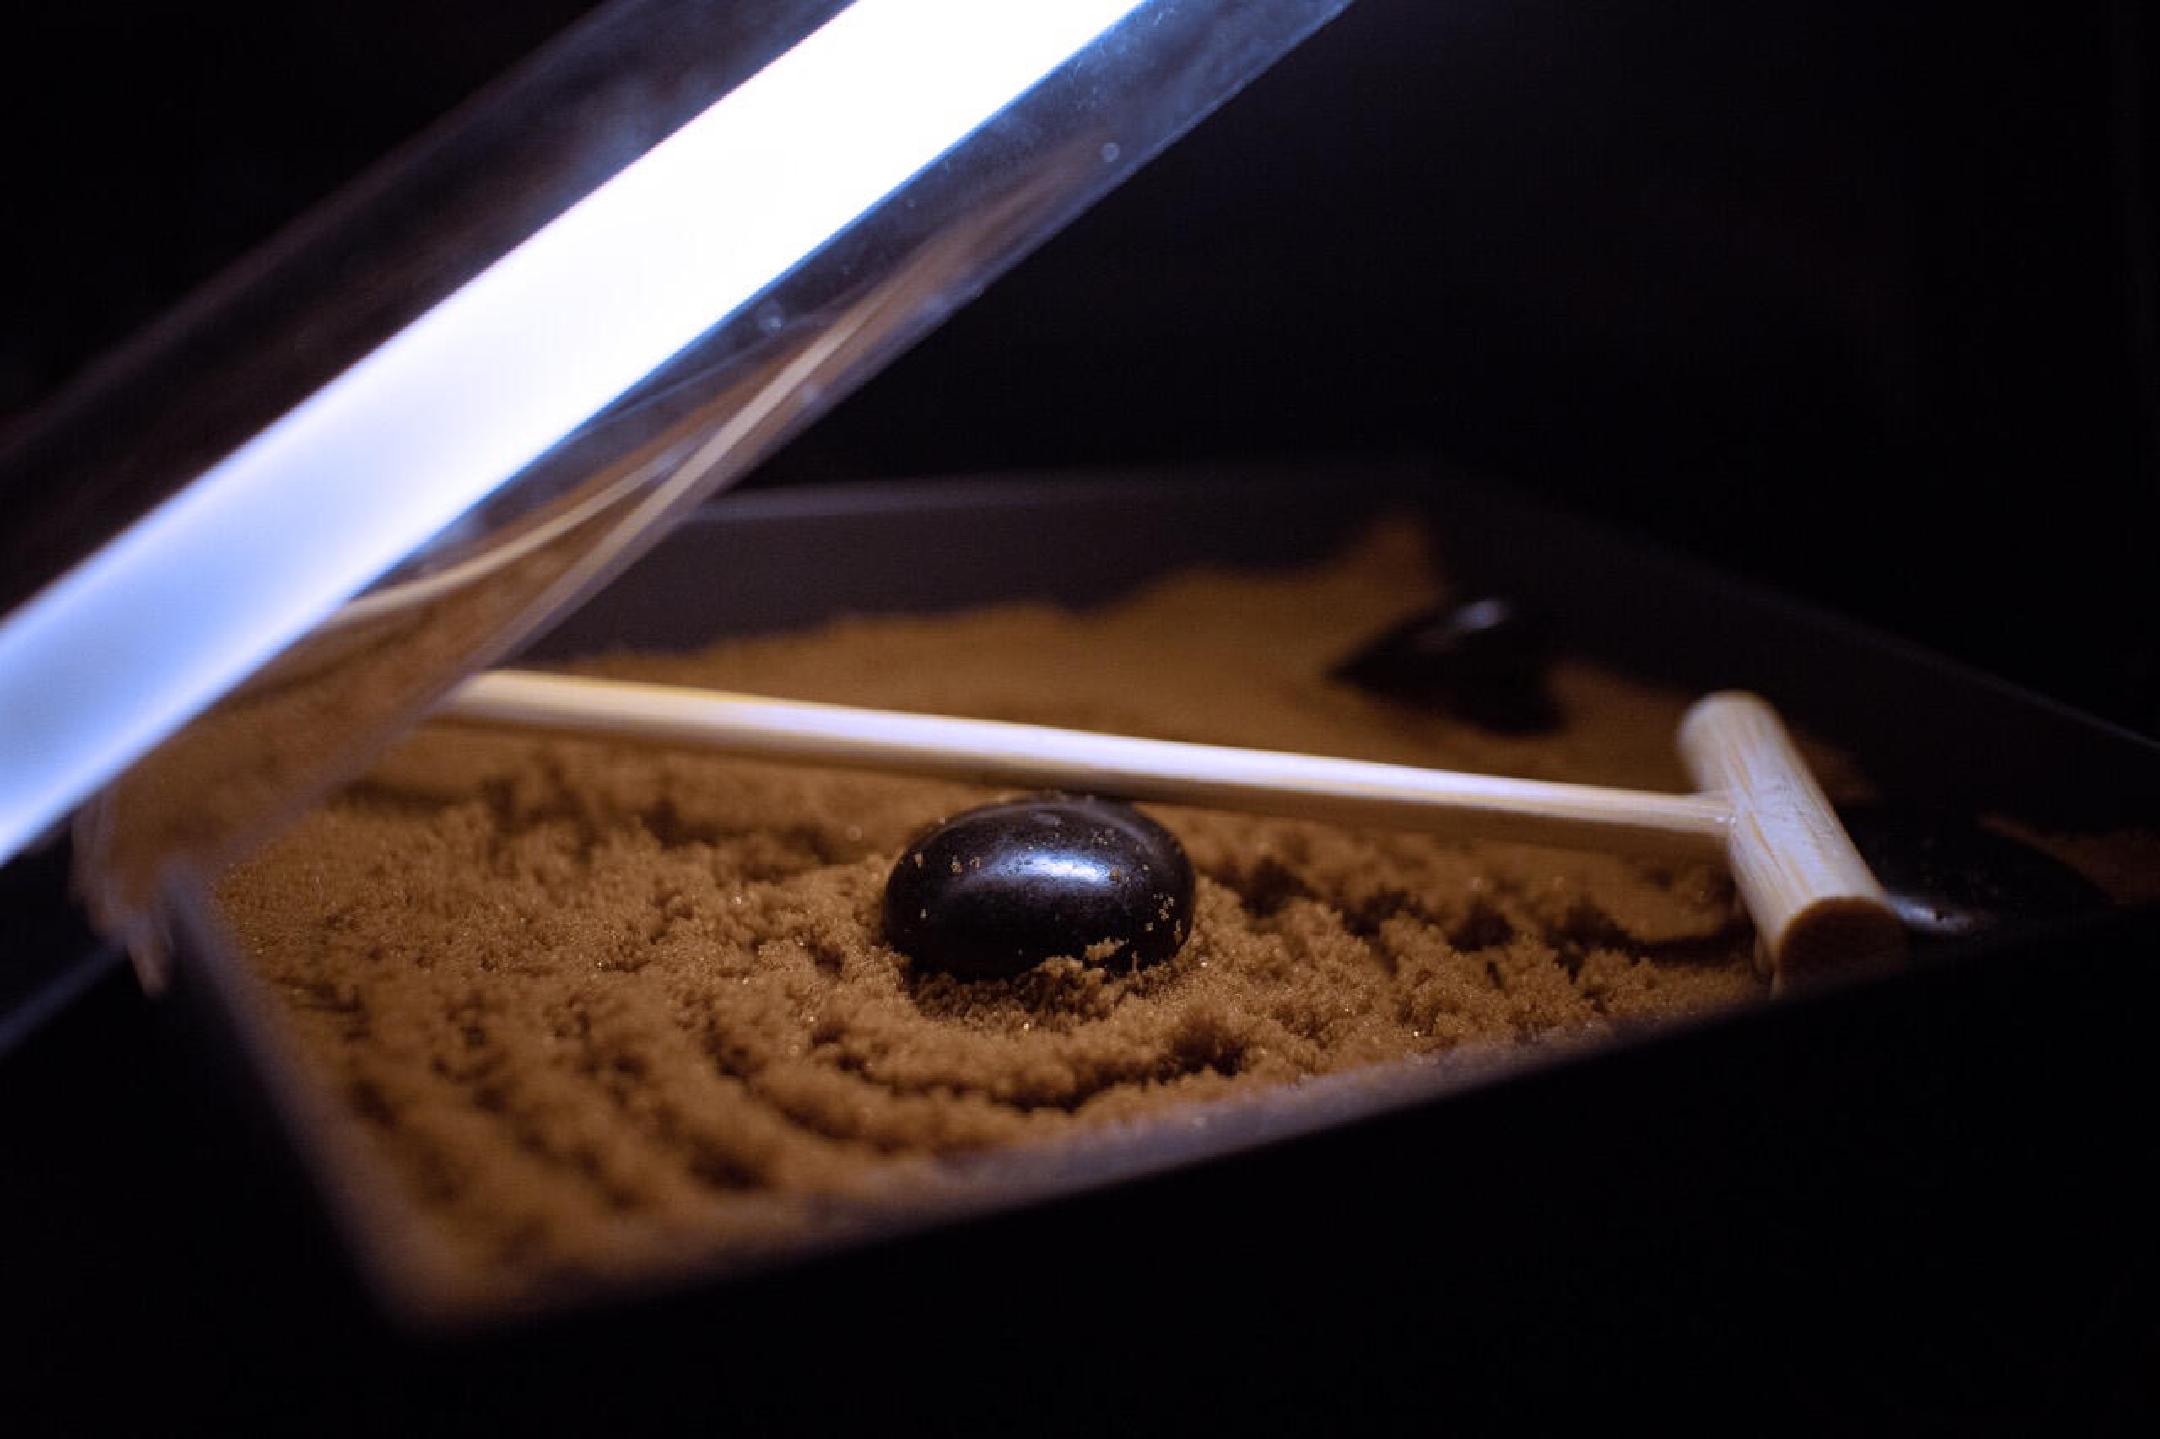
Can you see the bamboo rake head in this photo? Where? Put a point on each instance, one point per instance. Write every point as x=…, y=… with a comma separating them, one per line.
x=1815, y=904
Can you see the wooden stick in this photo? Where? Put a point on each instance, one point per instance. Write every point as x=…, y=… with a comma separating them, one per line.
x=1459, y=806
x=1816, y=906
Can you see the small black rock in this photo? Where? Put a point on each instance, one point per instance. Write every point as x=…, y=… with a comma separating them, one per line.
x=1950, y=879
x=999, y=889
x=1485, y=661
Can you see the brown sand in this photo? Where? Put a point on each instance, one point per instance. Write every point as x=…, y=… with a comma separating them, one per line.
x=596, y=1004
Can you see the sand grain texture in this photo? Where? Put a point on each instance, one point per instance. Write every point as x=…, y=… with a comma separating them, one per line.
x=598, y=1008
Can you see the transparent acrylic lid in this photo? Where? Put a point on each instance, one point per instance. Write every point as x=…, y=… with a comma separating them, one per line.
x=257, y=545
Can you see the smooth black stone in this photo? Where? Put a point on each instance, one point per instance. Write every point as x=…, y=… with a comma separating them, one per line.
x=997, y=890
x=1484, y=661
x=1950, y=879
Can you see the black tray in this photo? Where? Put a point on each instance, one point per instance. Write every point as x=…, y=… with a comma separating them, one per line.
x=1918, y=1196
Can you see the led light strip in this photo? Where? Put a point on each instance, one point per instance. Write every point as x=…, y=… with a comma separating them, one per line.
x=147, y=633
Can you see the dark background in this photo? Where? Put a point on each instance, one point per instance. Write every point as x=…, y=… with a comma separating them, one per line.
x=1857, y=300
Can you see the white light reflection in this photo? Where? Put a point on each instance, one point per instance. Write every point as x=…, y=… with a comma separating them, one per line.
x=1063, y=867
x=150, y=631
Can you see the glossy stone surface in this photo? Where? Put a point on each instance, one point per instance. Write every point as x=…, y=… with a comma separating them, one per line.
x=1484, y=661
x=1950, y=879
x=997, y=890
